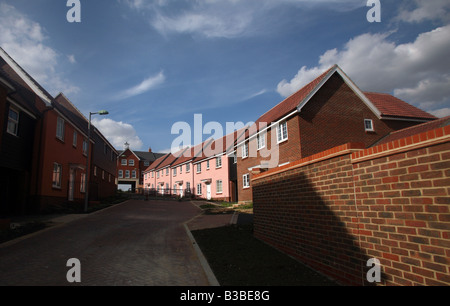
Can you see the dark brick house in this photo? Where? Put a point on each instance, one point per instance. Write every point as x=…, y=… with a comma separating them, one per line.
x=328, y=112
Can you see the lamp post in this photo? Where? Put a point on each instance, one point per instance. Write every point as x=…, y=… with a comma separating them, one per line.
x=86, y=182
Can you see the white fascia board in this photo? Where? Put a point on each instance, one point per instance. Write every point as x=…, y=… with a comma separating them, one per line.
x=17, y=106
x=21, y=73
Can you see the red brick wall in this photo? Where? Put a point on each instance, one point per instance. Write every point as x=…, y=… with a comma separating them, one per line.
x=335, y=116
x=337, y=209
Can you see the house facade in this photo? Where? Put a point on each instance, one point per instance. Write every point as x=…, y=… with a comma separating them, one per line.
x=131, y=166
x=202, y=171
x=49, y=141
x=328, y=112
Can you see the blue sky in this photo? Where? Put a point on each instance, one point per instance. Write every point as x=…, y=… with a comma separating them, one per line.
x=154, y=63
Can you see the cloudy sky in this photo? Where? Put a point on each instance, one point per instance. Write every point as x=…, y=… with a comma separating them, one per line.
x=154, y=63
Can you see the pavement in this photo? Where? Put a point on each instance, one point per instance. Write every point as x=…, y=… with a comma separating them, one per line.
x=135, y=243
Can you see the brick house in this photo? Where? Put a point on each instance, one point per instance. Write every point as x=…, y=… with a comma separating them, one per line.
x=131, y=166
x=102, y=176
x=328, y=112
x=203, y=171
x=48, y=138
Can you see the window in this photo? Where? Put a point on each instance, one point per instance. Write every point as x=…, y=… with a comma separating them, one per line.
x=74, y=141
x=207, y=165
x=199, y=167
x=218, y=162
x=199, y=189
x=127, y=174
x=167, y=171
x=175, y=190
x=234, y=158
x=219, y=186
x=174, y=171
x=246, y=180
x=146, y=163
x=13, y=122
x=85, y=146
x=261, y=140
x=60, y=128
x=83, y=182
x=188, y=186
x=133, y=174
x=153, y=174
x=124, y=162
x=181, y=169
x=368, y=125
x=157, y=174
x=120, y=173
x=188, y=167
x=131, y=162
x=245, y=150
x=282, y=133
x=57, y=174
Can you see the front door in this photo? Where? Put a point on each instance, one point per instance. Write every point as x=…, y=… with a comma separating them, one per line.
x=71, y=183
x=208, y=192
x=181, y=191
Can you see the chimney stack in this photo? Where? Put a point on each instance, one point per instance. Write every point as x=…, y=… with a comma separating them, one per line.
x=149, y=150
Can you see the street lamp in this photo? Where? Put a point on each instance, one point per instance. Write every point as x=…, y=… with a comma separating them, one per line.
x=86, y=182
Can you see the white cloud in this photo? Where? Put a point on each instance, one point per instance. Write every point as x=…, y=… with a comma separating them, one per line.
x=222, y=18
x=118, y=133
x=24, y=40
x=426, y=10
x=418, y=72
x=441, y=113
x=146, y=85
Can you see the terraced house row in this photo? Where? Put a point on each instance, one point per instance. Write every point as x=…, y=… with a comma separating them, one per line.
x=328, y=112
x=44, y=148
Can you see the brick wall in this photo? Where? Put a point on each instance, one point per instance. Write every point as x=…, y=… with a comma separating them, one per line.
x=337, y=209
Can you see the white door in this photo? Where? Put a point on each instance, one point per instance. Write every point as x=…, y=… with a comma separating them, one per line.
x=71, y=183
x=181, y=191
x=208, y=192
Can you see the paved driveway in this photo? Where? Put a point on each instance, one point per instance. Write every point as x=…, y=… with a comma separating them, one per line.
x=134, y=243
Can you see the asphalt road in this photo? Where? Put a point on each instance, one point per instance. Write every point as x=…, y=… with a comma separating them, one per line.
x=136, y=243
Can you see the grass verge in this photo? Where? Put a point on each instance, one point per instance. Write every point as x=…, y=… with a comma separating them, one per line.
x=239, y=259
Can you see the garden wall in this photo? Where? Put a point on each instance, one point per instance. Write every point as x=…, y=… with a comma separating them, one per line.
x=337, y=209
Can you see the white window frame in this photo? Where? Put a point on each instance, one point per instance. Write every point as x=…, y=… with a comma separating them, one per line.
x=283, y=136
x=219, y=186
x=83, y=183
x=167, y=171
x=133, y=174
x=60, y=128
x=199, y=167
x=57, y=170
x=246, y=180
x=181, y=169
x=245, y=150
x=261, y=140
x=124, y=162
x=75, y=139
x=188, y=168
x=14, y=123
x=219, y=162
x=175, y=171
x=85, y=147
x=199, y=189
x=120, y=174
x=207, y=165
x=127, y=174
x=370, y=122
x=131, y=162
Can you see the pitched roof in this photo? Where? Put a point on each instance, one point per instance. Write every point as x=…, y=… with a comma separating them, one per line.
x=157, y=162
x=384, y=106
x=292, y=102
x=391, y=106
x=414, y=130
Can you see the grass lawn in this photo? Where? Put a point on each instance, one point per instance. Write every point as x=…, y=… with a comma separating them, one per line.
x=239, y=259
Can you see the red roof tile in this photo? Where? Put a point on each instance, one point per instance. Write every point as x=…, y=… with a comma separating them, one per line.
x=391, y=106
x=414, y=130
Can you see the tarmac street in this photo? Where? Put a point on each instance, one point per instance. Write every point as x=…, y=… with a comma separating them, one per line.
x=137, y=243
